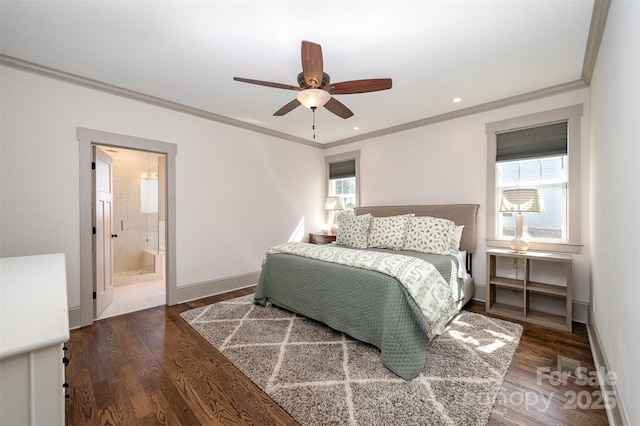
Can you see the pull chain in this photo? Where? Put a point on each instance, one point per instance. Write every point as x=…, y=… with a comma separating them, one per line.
x=314, y=121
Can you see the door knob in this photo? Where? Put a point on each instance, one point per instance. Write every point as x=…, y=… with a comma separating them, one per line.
x=114, y=235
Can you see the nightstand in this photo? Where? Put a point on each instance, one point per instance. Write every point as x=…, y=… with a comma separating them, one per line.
x=513, y=297
x=319, y=238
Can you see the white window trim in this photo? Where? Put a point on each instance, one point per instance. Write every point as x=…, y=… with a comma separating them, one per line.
x=572, y=114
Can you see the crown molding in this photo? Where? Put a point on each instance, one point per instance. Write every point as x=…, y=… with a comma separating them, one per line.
x=596, y=30
x=77, y=80
x=501, y=103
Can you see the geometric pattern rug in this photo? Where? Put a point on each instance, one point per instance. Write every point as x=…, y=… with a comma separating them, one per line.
x=324, y=377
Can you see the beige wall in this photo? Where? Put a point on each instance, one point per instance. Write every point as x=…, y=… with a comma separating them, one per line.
x=615, y=201
x=237, y=192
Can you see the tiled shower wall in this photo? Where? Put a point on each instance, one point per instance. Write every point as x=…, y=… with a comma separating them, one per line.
x=135, y=229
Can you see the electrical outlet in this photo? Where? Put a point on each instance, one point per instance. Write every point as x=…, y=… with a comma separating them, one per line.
x=593, y=304
x=514, y=273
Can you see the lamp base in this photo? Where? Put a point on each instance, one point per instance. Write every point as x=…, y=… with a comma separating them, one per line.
x=519, y=245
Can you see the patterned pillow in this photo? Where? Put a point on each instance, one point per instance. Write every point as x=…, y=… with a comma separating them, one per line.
x=429, y=235
x=353, y=230
x=388, y=232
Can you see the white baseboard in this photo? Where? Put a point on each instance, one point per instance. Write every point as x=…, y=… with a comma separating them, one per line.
x=617, y=414
x=211, y=288
x=580, y=309
x=190, y=292
x=75, y=319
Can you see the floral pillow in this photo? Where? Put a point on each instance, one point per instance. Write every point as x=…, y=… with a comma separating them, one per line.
x=430, y=235
x=353, y=230
x=388, y=232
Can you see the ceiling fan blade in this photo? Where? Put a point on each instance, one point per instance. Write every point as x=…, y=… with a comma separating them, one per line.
x=338, y=108
x=267, y=83
x=312, y=63
x=287, y=108
x=358, y=86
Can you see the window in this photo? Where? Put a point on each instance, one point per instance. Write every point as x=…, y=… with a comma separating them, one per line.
x=535, y=158
x=342, y=173
x=540, y=151
x=342, y=182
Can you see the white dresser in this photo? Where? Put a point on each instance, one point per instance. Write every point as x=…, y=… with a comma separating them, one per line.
x=34, y=324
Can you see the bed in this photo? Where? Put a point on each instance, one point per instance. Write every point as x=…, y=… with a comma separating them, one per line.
x=390, y=296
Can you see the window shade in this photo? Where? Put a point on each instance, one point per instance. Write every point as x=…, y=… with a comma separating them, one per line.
x=343, y=169
x=534, y=142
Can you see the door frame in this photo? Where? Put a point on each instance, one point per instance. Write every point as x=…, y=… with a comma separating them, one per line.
x=87, y=138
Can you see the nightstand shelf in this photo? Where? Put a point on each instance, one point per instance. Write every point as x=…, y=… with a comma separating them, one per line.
x=522, y=292
x=541, y=288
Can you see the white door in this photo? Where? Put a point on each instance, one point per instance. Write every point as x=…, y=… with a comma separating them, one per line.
x=103, y=225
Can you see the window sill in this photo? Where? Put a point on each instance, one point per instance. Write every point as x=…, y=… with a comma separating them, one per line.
x=538, y=246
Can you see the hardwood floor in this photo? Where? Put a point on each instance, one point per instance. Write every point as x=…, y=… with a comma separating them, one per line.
x=150, y=367
x=534, y=394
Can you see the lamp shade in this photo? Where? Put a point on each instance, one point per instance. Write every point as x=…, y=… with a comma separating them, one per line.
x=313, y=97
x=521, y=200
x=333, y=203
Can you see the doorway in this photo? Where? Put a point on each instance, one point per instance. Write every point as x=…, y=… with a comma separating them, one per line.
x=87, y=139
x=139, y=218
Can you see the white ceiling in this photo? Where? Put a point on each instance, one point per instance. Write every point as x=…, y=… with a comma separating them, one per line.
x=188, y=52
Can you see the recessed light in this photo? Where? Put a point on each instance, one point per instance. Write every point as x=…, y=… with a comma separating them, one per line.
x=356, y=128
x=456, y=100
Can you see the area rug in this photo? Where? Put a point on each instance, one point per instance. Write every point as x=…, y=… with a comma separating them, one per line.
x=323, y=377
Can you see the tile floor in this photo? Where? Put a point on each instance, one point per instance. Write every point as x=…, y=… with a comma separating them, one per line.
x=135, y=297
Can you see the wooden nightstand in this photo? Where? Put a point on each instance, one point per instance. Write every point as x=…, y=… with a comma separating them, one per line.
x=319, y=238
x=503, y=284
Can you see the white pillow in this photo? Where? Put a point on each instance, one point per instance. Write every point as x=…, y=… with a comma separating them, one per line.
x=388, y=232
x=430, y=235
x=457, y=237
x=353, y=230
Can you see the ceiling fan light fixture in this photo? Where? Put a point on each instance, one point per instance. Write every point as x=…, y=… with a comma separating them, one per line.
x=313, y=98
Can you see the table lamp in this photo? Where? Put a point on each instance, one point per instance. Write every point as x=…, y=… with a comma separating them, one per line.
x=520, y=201
x=334, y=204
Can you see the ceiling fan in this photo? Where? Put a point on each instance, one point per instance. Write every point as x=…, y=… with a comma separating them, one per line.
x=315, y=89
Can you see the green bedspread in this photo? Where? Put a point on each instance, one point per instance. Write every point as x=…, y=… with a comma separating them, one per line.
x=366, y=304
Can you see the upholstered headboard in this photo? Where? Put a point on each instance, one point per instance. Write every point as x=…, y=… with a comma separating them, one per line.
x=461, y=214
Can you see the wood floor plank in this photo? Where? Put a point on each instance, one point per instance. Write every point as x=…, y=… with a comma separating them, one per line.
x=151, y=367
x=526, y=382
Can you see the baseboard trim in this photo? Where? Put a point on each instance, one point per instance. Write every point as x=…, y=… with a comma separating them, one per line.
x=211, y=288
x=580, y=309
x=617, y=414
x=190, y=292
x=75, y=318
